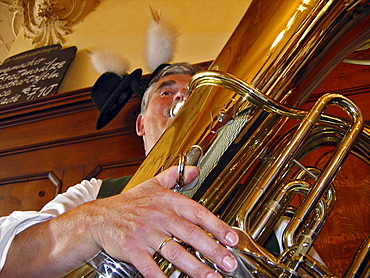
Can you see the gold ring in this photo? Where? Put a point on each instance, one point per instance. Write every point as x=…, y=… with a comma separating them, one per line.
x=163, y=243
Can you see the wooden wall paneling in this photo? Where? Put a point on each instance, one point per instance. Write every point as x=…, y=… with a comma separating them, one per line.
x=70, y=155
x=348, y=224
x=29, y=192
x=114, y=169
x=66, y=127
x=48, y=107
x=71, y=176
x=346, y=76
x=57, y=134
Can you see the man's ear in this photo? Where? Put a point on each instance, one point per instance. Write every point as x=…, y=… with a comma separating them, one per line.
x=140, y=125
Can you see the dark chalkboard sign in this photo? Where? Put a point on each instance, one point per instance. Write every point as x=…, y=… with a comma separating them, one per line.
x=34, y=74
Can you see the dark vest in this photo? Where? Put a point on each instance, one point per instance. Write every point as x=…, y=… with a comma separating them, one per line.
x=111, y=187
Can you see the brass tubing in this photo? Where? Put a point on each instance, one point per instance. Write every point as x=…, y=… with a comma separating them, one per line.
x=245, y=90
x=275, y=207
x=333, y=165
x=311, y=231
x=314, y=268
x=275, y=170
x=360, y=266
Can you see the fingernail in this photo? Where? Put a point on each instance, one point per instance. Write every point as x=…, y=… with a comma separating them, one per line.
x=213, y=275
x=230, y=263
x=231, y=238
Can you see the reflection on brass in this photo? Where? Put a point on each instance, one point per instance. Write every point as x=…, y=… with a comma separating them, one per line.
x=361, y=56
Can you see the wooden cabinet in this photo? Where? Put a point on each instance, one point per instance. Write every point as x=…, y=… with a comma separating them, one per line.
x=49, y=144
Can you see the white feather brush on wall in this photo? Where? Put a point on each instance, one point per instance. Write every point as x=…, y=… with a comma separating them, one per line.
x=108, y=61
x=160, y=41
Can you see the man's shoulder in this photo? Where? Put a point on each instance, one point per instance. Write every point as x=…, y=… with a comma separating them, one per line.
x=112, y=187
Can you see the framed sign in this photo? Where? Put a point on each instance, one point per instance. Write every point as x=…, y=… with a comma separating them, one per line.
x=34, y=74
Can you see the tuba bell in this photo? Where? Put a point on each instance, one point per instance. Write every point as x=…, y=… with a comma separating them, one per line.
x=236, y=126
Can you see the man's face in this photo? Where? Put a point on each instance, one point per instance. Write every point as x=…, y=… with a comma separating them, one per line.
x=154, y=121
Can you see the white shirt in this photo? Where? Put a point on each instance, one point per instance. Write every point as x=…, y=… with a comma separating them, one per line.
x=18, y=221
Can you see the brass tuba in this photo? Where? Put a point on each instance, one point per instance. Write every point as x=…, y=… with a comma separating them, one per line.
x=234, y=127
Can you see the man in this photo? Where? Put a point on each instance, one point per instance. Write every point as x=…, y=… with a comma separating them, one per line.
x=74, y=227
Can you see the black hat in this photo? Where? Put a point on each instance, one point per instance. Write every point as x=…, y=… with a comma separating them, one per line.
x=111, y=92
x=110, y=104
x=139, y=86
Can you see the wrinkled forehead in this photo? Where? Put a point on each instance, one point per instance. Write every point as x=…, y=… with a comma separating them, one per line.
x=165, y=82
x=173, y=81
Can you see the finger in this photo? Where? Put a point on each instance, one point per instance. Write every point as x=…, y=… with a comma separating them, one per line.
x=185, y=261
x=195, y=212
x=200, y=216
x=201, y=241
x=170, y=176
x=145, y=264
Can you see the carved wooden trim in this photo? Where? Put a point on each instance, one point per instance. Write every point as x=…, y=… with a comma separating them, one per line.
x=38, y=176
x=68, y=141
x=48, y=107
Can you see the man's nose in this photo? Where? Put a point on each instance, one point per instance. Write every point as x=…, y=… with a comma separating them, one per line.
x=181, y=94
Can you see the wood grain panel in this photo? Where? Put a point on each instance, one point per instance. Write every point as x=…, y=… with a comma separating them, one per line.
x=57, y=134
x=115, y=169
x=67, y=128
x=27, y=192
x=349, y=223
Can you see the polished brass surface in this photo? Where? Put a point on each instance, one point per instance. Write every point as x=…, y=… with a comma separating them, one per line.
x=282, y=48
x=236, y=114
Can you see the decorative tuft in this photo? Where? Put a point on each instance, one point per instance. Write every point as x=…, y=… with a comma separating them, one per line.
x=160, y=41
x=108, y=61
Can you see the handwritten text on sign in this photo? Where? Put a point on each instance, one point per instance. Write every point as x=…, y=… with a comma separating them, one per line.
x=34, y=74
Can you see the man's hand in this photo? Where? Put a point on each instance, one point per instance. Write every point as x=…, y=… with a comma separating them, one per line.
x=131, y=226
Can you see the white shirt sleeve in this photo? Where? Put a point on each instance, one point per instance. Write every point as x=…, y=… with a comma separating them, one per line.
x=18, y=221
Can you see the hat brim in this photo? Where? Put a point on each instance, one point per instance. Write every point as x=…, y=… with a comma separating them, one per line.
x=141, y=85
x=117, y=100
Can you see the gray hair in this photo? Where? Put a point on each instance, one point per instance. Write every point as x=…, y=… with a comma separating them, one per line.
x=172, y=69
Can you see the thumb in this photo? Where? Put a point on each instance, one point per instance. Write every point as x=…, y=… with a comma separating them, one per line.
x=170, y=177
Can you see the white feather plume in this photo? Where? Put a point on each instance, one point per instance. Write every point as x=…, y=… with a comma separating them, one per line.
x=160, y=41
x=109, y=61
